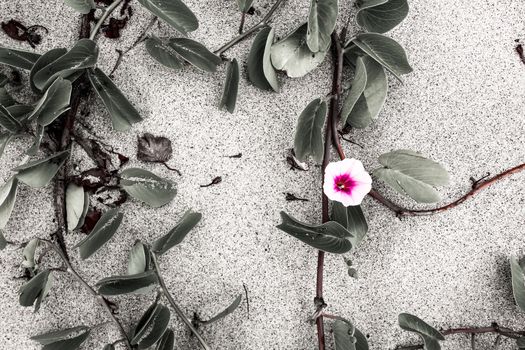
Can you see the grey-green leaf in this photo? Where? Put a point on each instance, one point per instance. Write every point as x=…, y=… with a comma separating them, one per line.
x=167, y=342
x=8, y=122
x=6, y=99
x=362, y=342
x=82, y=6
x=382, y=17
x=121, y=111
x=18, y=58
x=151, y=326
x=163, y=53
x=54, y=336
x=330, y=237
x=360, y=112
x=385, y=51
x=231, y=87
x=147, y=187
x=29, y=254
x=520, y=342
x=231, y=308
x=413, y=175
x=344, y=335
x=292, y=55
x=39, y=173
x=44, y=60
x=117, y=285
x=244, y=5
x=321, y=23
x=5, y=137
x=173, y=12
x=177, y=234
x=30, y=291
x=139, y=259
x=353, y=219
x=7, y=200
x=103, y=231
x=68, y=344
x=195, y=53
x=358, y=86
x=3, y=241
x=428, y=334
x=75, y=204
x=260, y=70
x=518, y=282
x=309, y=133
x=83, y=54
x=54, y=102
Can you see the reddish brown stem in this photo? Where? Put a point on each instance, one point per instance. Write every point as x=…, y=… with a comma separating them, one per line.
x=477, y=186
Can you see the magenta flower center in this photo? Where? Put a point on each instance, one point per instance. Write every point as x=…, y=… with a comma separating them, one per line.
x=344, y=183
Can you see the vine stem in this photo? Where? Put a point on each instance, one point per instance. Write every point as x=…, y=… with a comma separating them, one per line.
x=104, y=16
x=174, y=305
x=477, y=186
x=102, y=301
x=250, y=31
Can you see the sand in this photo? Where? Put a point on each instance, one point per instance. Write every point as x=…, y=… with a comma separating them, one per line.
x=462, y=106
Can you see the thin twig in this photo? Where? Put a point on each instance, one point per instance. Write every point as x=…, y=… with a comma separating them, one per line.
x=241, y=25
x=174, y=305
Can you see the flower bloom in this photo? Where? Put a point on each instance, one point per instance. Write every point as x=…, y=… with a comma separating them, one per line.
x=347, y=182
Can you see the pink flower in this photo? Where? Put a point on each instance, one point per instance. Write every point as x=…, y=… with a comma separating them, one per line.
x=347, y=182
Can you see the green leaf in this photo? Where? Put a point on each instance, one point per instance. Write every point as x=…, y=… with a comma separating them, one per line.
x=39, y=173
x=167, y=342
x=8, y=122
x=4, y=80
x=76, y=202
x=520, y=343
x=5, y=137
x=244, y=5
x=162, y=53
x=428, y=334
x=54, y=336
x=103, y=231
x=29, y=254
x=18, y=58
x=309, y=133
x=518, y=282
x=151, y=326
x=54, y=102
x=177, y=234
x=139, y=259
x=3, y=241
x=260, y=69
x=20, y=112
x=330, y=237
x=147, y=187
x=30, y=292
x=292, y=55
x=363, y=105
x=353, y=219
x=321, y=23
x=117, y=285
x=82, y=6
x=68, y=344
x=385, y=51
x=121, y=111
x=362, y=342
x=234, y=305
x=381, y=16
x=39, y=135
x=44, y=60
x=7, y=200
x=173, y=12
x=344, y=335
x=83, y=54
x=5, y=99
x=231, y=86
x=195, y=53
x=411, y=174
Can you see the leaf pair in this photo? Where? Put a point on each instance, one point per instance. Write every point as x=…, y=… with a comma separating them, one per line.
x=260, y=70
x=34, y=291
x=430, y=336
x=151, y=328
x=413, y=175
x=66, y=339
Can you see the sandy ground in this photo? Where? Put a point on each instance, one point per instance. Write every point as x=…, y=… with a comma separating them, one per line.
x=462, y=106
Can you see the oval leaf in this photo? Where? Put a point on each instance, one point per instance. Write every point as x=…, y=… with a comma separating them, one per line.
x=385, y=51
x=75, y=205
x=105, y=228
x=231, y=86
x=429, y=334
x=117, y=285
x=139, y=259
x=8, y=122
x=344, y=335
x=162, y=53
x=44, y=60
x=195, y=53
x=381, y=16
x=411, y=174
x=260, y=69
x=54, y=336
x=177, y=234
x=82, y=6
x=54, y=102
x=173, y=12
x=518, y=282
x=151, y=326
x=330, y=237
x=30, y=291
x=167, y=342
x=147, y=187
x=39, y=173
x=292, y=55
x=321, y=23
x=18, y=58
x=309, y=133
x=121, y=111
x=353, y=219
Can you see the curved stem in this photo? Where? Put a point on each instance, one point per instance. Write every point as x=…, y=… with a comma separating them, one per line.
x=477, y=186
x=104, y=16
x=102, y=301
x=250, y=31
x=174, y=305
